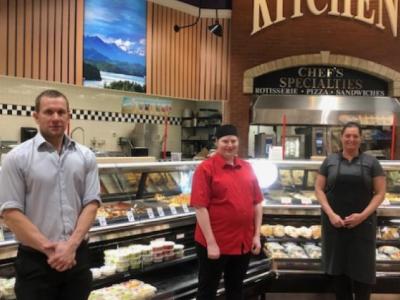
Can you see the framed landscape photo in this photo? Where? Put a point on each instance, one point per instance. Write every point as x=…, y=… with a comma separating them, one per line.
x=115, y=44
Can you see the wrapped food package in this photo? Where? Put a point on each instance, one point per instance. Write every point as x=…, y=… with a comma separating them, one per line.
x=291, y=231
x=279, y=231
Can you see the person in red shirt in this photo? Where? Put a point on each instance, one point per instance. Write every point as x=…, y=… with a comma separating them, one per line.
x=228, y=204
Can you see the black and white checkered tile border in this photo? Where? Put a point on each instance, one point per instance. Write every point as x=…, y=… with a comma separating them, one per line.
x=92, y=115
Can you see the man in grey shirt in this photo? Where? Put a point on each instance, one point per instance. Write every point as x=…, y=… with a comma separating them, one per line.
x=49, y=195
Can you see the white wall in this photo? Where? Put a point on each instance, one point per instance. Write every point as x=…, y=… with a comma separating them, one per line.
x=23, y=92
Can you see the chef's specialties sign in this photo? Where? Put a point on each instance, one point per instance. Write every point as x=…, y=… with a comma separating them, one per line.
x=385, y=13
x=320, y=80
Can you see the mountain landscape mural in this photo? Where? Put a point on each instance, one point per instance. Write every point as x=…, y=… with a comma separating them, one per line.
x=114, y=44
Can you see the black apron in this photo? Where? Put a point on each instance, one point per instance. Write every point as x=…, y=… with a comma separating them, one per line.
x=349, y=251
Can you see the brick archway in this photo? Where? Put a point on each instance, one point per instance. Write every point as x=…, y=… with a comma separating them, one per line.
x=325, y=58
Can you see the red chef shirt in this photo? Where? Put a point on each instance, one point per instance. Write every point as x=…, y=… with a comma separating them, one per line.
x=229, y=192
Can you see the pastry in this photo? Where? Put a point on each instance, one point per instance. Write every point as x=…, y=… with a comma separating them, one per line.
x=389, y=233
x=316, y=231
x=272, y=246
x=395, y=256
x=305, y=232
x=388, y=250
x=291, y=231
x=279, y=231
x=381, y=256
x=313, y=251
x=267, y=230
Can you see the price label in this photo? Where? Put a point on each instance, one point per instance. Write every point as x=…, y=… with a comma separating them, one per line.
x=160, y=211
x=102, y=221
x=180, y=236
x=1, y=233
x=185, y=208
x=286, y=200
x=150, y=213
x=306, y=201
x=386, y=202
x=131, y=217
x=173, y=210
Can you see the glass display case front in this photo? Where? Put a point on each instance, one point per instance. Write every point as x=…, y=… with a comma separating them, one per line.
x=291, y=226
x=145, y=203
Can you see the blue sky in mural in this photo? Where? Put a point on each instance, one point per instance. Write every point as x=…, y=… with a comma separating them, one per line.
x=115, y=38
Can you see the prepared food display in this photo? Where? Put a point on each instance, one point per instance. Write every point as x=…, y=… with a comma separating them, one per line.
x=109, y=184
x=129, y=181
x=291, y=250
x=297, y=177
x=285, y=178
x=388, y=253
x=393, y=198
x=160, y=182
x=310, y=250
x=130, y=290
x=313, y=251
x=278, y=231
x=393, y=181
x=177, y=200
x=114, y=210
x=388, y=233
x=288, y=197
x=136, y=257
x=7, y=288
x=311, y=177
x=291, y=177
x=119, y=182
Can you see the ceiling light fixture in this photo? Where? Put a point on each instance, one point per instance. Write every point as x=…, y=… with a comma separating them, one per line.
x=216, y=28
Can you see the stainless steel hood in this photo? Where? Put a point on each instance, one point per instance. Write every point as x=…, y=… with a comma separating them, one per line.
x=324, y=110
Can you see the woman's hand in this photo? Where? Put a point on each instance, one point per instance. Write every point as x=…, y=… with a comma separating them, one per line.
x=213, y=251
x=256, y=247
x=353, y=220
x=336, y=220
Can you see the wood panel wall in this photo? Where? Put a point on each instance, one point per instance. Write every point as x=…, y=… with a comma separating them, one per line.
x=192, y=63
x=42, y=39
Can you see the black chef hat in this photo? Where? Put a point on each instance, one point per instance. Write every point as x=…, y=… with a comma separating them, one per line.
x=225, y=130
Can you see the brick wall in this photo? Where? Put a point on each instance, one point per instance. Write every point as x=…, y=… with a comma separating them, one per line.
x=306, y=35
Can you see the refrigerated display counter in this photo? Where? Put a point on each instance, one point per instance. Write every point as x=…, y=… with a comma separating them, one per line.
x=145, y=206
x=148, y=202
x=291, y=229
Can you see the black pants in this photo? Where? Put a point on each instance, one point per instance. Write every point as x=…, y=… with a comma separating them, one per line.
x=345, y=287
x=36, y=280
x=210, y=272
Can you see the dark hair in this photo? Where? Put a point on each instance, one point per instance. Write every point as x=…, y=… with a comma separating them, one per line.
x=49, y=94
x=351, y=125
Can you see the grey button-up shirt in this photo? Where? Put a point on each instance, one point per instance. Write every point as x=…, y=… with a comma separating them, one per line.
x=50, y=189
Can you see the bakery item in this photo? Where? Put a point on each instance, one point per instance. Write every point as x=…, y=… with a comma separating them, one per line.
x=315, y=231
x=279, y=231
x=291, y=231
x=389, y=250
x=267, y=230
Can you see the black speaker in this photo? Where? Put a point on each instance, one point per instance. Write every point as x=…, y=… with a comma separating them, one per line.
x=27, y=133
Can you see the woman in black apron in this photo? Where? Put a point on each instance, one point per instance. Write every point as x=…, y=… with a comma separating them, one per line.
x=350, y=186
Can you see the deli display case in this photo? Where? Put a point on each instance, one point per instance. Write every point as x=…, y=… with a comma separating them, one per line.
x=292, y=233
x=143, y=233
x=143, y=237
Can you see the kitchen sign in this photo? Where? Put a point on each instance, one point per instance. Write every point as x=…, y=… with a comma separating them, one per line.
x=320, y=80
x=386, y=13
